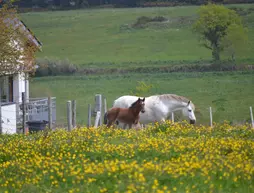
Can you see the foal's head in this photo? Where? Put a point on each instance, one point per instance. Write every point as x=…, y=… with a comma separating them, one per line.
x=139, y=104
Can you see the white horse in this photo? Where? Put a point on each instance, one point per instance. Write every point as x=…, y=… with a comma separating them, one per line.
x=159, y=107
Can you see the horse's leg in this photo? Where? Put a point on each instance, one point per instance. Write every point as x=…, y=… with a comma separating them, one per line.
x=110, y=122
x=138, y=126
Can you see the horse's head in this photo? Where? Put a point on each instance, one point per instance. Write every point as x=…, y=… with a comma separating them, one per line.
x=188, y=111
x=139, y=104
x=142, y=104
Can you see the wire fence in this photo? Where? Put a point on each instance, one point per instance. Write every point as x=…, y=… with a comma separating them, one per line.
x=205, y=115
x=37, y=111
x=13, y=115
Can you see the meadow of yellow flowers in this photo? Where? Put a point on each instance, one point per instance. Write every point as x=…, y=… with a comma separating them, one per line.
x=162, y=158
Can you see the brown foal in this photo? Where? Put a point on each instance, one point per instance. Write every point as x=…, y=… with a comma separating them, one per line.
x=125, y=115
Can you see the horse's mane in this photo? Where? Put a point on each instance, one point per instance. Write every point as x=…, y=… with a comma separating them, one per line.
x=176, y=97
x=133, y=104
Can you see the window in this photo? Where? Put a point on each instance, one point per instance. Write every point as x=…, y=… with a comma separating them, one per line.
x=6, y=88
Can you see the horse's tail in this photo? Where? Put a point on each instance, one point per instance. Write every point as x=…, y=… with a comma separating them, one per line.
x=105, y=118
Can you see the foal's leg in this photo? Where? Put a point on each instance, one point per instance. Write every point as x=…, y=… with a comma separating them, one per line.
x=138, y=126
x=130, y=125
x=110, y=122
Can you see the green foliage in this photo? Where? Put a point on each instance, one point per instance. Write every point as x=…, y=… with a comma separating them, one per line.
x=120, y=3
x=164, y=158
x=143, y=20
x=52, y=67
x=218, y=26
x=235, y=42
x=142, y=89
x=16, y=51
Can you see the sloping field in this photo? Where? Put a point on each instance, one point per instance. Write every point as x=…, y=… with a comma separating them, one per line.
x=105, y=36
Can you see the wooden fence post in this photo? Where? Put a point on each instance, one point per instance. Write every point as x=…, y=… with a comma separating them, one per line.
x=49, y=112
x=105, y=105
x=251, y=117
x=73, y=113
x=97, y=119
x=69, y=120
x=1, y=129
x=98, y=106
x=24, y=112
x=26, y=87
x=172, y=117
x=89, y=116
x=211, y=117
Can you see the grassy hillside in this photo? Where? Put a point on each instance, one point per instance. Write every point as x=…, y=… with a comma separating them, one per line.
x=102, y=36
x=230, y=94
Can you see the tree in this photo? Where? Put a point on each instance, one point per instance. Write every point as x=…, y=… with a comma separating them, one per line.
x=16, y=51
x=215, y=24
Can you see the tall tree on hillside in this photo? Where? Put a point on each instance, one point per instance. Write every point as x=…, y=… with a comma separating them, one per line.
x=16, y=53
x=216, y=26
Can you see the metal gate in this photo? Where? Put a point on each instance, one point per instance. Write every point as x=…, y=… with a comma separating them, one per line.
x=37, y=109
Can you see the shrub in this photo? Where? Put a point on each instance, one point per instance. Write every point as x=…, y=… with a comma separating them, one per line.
x=51, y=67
x=143, y=20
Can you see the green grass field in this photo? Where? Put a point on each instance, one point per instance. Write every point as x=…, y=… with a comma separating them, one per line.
x=104, y=36
x=230, y=94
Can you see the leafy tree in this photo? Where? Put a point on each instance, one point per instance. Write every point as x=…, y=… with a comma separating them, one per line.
x=217, y=26
x=16, y=51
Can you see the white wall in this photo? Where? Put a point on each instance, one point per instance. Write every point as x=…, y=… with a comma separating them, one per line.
x=9, y=119
x=19, y=86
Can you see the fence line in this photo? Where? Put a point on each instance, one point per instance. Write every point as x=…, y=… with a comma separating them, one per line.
x=89, y=115
x=172, y=117
x=1, y=129
x=73, y=109
x=211, y=116
x=23, y=112
x=100, y=107
x=69, y=117
x=105, y=105
x=49, y=113
x=251, y=117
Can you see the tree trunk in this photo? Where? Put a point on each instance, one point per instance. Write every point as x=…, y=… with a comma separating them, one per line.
x=216, y=53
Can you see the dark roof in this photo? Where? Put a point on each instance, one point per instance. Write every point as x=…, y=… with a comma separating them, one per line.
x=34, y=37
x=16, y=23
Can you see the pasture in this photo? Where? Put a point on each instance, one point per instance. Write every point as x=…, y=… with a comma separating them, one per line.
x=164, y=158
x=229, y=93
x=105, y=38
